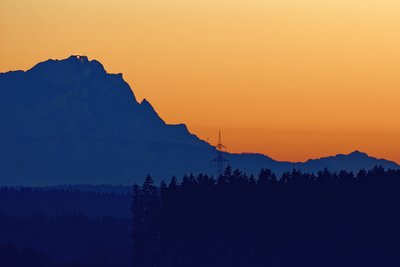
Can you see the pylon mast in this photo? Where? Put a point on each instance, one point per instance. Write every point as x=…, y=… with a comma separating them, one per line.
x=220, y=161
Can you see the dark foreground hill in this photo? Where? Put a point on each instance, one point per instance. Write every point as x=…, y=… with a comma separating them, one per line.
x=64, y=227
x=70, y=122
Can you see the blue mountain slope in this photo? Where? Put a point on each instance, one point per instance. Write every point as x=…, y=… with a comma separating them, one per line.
x=352, y=162
x=70, y=122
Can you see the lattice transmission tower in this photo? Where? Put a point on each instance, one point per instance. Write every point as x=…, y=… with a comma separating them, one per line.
x=220, y=162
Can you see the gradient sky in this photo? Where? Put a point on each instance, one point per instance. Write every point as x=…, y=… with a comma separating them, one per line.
x=291, y=79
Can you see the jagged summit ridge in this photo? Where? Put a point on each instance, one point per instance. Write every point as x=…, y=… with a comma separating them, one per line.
x=73, y=63
x=69, y=121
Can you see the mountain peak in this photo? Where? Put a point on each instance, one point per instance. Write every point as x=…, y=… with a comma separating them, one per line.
x=82, y=59
x=149, y=110
x=358, y=153
x=72, y=64
x=145, y=102
x=147, y=106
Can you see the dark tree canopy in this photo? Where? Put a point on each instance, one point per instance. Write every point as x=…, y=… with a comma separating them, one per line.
x=301, y=219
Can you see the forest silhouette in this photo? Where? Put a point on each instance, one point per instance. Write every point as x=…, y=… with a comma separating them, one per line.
x=301, y=219
x=297, y=219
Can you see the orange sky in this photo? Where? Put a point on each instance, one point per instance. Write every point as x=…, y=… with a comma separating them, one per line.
x=291, y=79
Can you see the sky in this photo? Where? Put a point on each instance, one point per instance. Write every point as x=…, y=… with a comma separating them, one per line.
x=290, y=79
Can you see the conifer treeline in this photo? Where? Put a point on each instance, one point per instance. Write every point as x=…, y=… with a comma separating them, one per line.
x=301, y=219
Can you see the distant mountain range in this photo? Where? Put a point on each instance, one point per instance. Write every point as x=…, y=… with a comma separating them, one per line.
x=70, y=122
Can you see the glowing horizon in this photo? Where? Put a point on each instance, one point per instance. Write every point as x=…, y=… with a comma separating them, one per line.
x=290, y=80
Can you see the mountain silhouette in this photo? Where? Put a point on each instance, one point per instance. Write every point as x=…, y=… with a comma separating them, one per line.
x=70, y=122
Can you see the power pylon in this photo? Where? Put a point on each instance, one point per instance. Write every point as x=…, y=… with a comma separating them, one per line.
x=220, y=161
